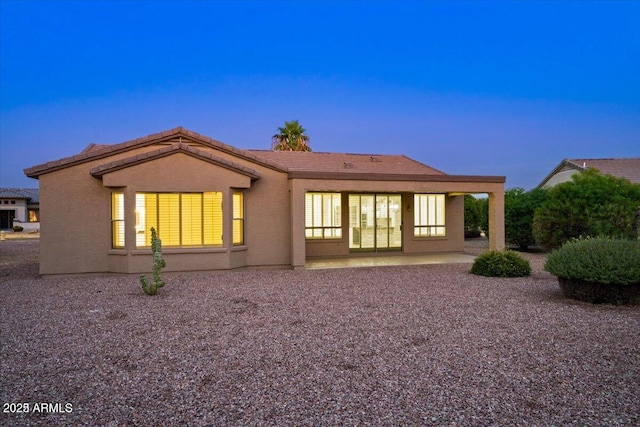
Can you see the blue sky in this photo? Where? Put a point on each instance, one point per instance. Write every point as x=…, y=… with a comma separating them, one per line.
x=482, y=88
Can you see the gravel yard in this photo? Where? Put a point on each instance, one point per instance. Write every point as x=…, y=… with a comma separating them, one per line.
x=412, y=345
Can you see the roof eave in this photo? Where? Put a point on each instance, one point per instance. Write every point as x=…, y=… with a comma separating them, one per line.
x=357, y=176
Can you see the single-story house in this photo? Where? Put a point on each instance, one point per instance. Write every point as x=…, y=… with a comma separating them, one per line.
x=219, y=207
x=19, y=206
x=628, y=168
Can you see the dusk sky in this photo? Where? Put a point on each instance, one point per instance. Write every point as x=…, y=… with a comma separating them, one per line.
x=473, y=88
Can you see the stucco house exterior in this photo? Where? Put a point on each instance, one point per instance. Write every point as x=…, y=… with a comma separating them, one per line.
x=628, y=168
x=19, y=206
x=219, y=207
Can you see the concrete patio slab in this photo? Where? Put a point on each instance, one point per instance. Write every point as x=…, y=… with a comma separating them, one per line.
x=388, y=260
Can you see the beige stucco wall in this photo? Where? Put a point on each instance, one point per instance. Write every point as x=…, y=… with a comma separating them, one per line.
x=78, y=220
x=267, y=228
x=75, y=231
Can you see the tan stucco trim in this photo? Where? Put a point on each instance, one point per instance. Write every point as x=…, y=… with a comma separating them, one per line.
x=357, y=176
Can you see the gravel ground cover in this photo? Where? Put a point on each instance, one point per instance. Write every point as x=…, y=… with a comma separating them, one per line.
x=414, y=345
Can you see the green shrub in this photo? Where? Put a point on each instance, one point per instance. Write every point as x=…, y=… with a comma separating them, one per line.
x=597, y=260
x=591, y=204
x=501, y=264
x=17, y=228
x=519, y=208
x=599, y=270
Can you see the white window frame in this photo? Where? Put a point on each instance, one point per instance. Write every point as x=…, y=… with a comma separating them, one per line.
x=323, y=216
x=429, y=215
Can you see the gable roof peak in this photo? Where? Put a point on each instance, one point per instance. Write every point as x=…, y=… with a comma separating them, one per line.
x=99, y=151
x=178, y=147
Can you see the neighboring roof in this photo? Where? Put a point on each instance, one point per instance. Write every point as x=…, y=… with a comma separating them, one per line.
x=295, y=164
x=32, y=195
x=628, y=168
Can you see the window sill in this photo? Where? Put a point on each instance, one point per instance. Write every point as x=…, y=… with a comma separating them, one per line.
x=117, y=252
x=168, y=251
x=419, y=238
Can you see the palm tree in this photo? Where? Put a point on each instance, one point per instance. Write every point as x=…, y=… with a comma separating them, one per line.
x=291, y=137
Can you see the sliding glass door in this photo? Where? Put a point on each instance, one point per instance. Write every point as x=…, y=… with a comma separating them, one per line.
x=375, y=222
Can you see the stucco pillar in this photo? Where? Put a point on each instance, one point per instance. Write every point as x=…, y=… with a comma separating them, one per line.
x=129, y=219
x=227, y=224
x=298, y=248
x=496, y=221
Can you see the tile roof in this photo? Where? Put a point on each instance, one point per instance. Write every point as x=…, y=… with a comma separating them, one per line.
x=628, y=168
x=622, y=168
x=31, y=194
x=296, y=164
x=98, y=151
x=304, y=161
x=93, y=147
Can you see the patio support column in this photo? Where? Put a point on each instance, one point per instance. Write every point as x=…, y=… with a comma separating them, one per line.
x=496, y=221
x=298, y=248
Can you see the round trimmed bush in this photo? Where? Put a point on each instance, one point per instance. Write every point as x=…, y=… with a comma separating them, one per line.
x=598, y=270
x=501, y=264
x=17, y=228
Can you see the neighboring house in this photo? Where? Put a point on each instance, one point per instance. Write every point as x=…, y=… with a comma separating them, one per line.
x=219, y=207
x=621, y=168
x=19, y=206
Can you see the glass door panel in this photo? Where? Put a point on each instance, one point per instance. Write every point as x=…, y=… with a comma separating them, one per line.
x=395, y=221
x=382, y=221
x=362, y=221
x=375, y=222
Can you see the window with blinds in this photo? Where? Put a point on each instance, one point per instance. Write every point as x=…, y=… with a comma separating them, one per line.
x=429, y=215
x=181, y=219
x=323, y=216
x=238, y=219
x=117, y=220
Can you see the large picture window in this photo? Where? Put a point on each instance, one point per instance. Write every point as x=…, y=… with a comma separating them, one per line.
x=323, y=216
x=181, y=219
x=238, y=219
x=429, y=217
x=117, y=220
